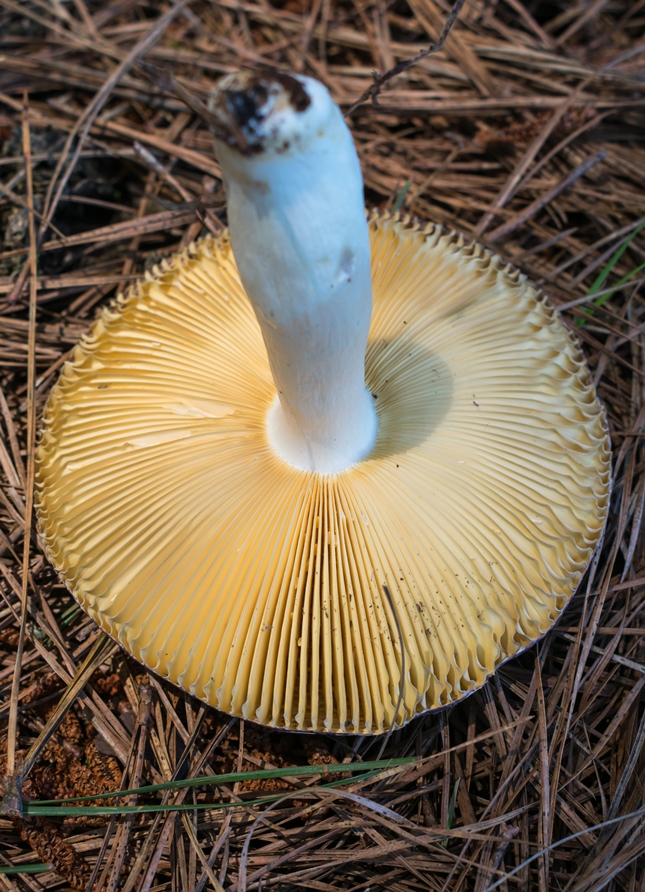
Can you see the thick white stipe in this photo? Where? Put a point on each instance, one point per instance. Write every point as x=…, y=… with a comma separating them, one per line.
x=300, y=239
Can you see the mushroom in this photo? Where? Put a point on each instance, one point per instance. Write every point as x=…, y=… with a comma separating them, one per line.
x=305, y=511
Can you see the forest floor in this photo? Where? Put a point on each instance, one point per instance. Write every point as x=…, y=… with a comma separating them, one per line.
x=526, y=132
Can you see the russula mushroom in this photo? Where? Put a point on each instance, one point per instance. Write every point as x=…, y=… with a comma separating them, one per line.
x=305, y=515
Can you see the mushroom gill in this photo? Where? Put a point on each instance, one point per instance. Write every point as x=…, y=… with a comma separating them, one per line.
x=261, y=587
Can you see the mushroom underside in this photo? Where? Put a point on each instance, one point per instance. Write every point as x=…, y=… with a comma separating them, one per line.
x=344, y=602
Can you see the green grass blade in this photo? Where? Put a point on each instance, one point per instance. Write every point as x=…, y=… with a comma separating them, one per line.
x=602, y=277
x=233, y=777
x=619, y=284
x=28, y=868
x=400, y=198
x=36, y=809
x=451, y=809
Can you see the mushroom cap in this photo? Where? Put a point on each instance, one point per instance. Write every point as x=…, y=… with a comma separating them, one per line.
x=307, y=601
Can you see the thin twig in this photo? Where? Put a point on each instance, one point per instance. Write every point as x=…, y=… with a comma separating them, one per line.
x=381, y=79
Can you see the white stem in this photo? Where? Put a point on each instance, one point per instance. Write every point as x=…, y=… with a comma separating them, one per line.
x=299, y=234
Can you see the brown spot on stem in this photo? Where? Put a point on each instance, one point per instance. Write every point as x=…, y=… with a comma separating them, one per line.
x=242, y=103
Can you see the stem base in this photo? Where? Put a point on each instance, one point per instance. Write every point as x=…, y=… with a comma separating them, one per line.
x=335, y=455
